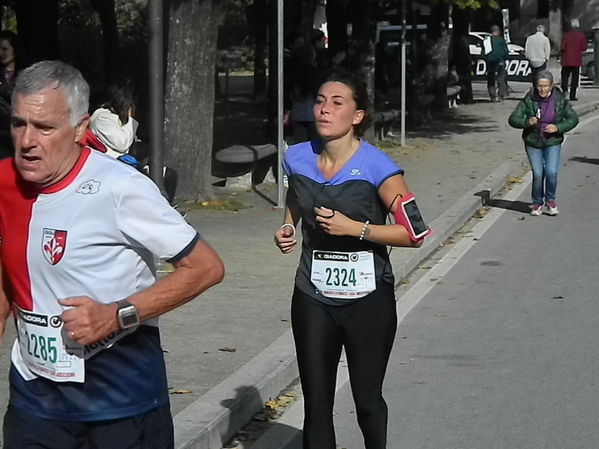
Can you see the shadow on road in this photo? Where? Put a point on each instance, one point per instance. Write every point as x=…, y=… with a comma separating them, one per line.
x=584, y=159
x=517, y=206
x=452, y=124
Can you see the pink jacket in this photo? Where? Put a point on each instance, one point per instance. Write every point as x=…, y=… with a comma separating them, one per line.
x=573, y=44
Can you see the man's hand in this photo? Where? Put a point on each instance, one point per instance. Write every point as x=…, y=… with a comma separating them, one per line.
x=87, y=321
x=532, y=121
x=550, y=129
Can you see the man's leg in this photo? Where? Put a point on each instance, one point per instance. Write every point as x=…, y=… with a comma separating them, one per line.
x=575, y=77
x=25, y=431
x=150, y=430
x=491, y=74
x=502, y=81
x=564, y=80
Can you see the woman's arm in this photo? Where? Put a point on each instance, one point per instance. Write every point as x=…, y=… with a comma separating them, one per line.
x=519, y=118
x=569, y=120
x=285, y=236
x=336, y=223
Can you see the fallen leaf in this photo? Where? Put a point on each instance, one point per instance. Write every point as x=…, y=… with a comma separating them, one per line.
x=227, y=349
x=513, y=180
x=181, y=392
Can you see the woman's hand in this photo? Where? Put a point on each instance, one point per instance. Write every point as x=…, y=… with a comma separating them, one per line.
x=285, y=238
x=550, y=129
x=532, y=121
x=334, y=222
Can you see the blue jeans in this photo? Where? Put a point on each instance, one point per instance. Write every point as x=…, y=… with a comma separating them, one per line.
x=544, y=163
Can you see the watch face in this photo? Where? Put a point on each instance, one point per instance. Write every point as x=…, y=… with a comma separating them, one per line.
x=128, y=317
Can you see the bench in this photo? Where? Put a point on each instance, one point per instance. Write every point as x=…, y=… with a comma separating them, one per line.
x=244, y=166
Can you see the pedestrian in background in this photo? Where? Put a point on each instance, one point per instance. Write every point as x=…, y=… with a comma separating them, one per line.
x=114, y=123
x=538, y=51
x=573, y=44
x=79, y=233
x=342, y=189
x=11, y=62
x=496, y=53
x=544, y=115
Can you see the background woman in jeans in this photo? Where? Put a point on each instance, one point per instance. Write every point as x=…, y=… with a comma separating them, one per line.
x=544, y=115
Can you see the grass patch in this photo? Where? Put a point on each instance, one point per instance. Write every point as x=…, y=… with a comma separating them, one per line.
x=222, y=205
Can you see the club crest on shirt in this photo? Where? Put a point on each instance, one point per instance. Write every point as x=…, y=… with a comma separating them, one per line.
x=53, y=244
x=88, y=187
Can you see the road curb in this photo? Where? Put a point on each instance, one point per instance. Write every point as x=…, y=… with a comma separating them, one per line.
x=210, y=421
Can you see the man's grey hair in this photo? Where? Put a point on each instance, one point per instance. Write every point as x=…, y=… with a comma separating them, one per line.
x=56, y=75
x=541, y=28
x=575, y=23
x=543, y=75
x=495, y=29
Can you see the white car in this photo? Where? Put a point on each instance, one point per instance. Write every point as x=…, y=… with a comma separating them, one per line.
x=475, y=42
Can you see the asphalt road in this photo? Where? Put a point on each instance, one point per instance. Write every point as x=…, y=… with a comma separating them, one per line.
x=497, y=346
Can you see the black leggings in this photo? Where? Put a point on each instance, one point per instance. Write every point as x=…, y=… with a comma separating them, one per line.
x=366, y=328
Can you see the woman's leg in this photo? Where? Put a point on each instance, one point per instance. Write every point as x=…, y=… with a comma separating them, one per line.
x=318, y=343
x=370, y=332
x=551, y=156
x=535, y=157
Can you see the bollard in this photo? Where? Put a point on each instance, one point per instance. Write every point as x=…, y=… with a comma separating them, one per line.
x=596, y=58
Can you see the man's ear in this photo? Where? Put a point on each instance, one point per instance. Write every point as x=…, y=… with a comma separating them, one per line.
x=81, y=127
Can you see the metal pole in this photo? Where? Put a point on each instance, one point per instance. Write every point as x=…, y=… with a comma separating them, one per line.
x=280, y=140
x=596, y=58
x=156, y=91
x=402, y=140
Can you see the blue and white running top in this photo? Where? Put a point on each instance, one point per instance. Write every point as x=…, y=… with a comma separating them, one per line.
x=353, y=191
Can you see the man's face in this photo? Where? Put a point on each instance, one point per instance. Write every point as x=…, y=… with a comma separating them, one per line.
x=45, y=142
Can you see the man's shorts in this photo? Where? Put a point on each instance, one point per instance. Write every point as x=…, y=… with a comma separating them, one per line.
x=151, y=430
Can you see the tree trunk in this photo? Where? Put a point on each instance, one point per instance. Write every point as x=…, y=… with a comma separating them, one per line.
x=363, y=57
x=260, y=20
x=110, y=38
x=37, y=26
x=439, y=52
x=189, y=94
x=336, y=11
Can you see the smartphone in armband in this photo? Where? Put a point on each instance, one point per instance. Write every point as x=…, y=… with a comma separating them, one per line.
x=408, y=215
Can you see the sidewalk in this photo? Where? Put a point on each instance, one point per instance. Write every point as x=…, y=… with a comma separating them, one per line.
x=231, y=350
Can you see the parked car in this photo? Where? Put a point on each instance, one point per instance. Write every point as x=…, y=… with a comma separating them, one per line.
x=588, y=63
x=475, y=42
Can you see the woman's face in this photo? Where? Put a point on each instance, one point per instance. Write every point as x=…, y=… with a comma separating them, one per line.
x=543, y=87
x=7, y=52
x=335, y=111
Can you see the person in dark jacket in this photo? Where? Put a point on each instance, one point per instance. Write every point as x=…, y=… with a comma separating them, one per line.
x=496, y=56
x=545, y=116
x=573, y=44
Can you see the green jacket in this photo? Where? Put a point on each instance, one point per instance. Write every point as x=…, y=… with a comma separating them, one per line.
x=565, y=120
x=499, y=50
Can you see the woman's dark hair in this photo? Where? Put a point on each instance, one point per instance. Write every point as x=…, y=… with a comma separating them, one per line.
x=120, y=102
x=15, y=43
x=359, y=94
